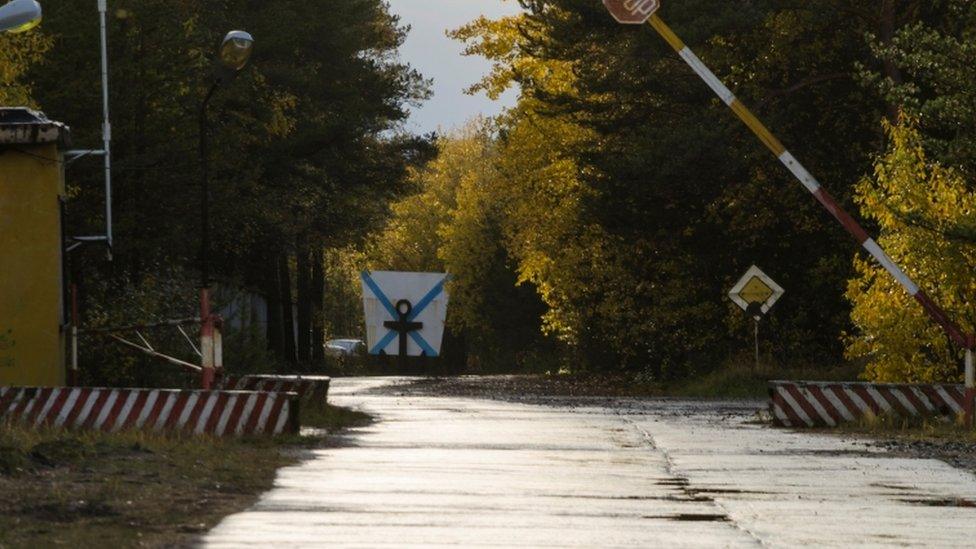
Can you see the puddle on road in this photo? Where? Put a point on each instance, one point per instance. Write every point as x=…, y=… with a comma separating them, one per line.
x=726, y=491
x=679, y=481
x=689, y=517
x=891, y=486
x=700, y=494
x=945, y=502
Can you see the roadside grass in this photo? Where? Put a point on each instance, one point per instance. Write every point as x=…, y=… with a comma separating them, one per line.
x=333, y=418
x=133, y=489
x=742, y=381
x=914, y=429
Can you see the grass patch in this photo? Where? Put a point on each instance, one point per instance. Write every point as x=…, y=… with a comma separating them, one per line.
x=741, y=381
x=935, y=429
x=333, y=418
x=132, y=489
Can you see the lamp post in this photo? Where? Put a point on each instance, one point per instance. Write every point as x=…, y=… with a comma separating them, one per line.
x=20, y=16
x=233, y=55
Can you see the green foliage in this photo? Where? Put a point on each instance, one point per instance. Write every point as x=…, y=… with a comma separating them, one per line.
x=933, y=80
x=344, y=301
x=610, y=210
x=164, y=293
x=306, y=152
x=921, y=207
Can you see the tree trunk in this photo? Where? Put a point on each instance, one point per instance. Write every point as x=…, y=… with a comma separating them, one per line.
x=272, y=293
x=889, y=26
x=304, y=303
x=318, y=303
x=288, y=320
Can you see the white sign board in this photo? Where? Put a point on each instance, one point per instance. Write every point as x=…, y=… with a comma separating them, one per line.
x=421, y=299
x=756, y=287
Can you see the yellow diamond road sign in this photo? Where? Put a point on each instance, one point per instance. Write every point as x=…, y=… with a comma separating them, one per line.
x=755, y=287
x=756, y=291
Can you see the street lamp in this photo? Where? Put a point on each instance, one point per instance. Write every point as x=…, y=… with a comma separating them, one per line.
x=233, y=55
x=20, y=16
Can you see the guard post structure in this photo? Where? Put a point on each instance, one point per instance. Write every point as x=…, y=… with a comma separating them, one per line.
x=31, y=293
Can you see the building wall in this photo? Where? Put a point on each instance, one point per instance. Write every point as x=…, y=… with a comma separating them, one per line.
x=31, y=343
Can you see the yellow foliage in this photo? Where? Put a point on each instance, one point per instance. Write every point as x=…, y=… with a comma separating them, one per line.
x=17, y=53
x=927, y=216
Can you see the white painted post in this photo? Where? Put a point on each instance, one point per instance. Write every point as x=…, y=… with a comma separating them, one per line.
x=206, y=340
x=218, y=343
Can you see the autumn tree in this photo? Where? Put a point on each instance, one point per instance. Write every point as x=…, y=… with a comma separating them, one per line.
x=926, y=212
x=455, y=223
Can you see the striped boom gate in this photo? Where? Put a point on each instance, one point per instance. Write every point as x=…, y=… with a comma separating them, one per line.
x=311, y=390
x=217, y=413
x=825, y=404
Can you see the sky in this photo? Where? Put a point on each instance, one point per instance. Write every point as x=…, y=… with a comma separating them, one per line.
x=436, y=56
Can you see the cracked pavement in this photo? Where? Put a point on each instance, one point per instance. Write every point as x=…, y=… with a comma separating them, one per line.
x=470, y=472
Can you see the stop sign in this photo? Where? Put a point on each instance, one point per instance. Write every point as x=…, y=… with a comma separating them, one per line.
x=632, y=12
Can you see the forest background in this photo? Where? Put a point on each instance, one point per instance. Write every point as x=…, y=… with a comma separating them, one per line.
x=594, y=227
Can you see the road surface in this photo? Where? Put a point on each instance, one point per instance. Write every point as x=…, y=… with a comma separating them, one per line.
x=439, y=471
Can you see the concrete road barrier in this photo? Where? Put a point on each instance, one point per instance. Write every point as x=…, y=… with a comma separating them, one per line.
x=312, y=390
x=818, y=404
x=218, y=413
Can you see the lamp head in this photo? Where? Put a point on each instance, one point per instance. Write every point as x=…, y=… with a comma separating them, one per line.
x=235, y=50
x=20, y=16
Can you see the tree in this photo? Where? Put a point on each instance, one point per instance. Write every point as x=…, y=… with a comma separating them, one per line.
x=923, y=208
x=455, y=223
x=17, y=53
x=670, y=198
x=307, y=144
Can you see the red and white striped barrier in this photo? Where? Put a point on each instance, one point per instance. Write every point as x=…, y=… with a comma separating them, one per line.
x=218, y=413
x=812, y=404
x=312, y=390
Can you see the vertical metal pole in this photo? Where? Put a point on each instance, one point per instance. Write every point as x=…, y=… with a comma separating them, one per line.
x=757, y=343
x=970, y=386
x=73, y=374
x=206, y=318
x=205, y=192
x=106, y=124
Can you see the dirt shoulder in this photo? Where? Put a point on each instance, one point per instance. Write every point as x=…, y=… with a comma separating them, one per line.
x=924, y=439
x=527, y=388
x=62, y=488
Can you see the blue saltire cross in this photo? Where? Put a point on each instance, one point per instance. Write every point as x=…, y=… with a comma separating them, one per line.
x=418, y=308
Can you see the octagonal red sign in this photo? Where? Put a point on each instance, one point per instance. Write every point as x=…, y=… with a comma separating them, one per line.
x=632, y=12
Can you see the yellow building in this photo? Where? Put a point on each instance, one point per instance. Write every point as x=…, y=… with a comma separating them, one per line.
x=31, y=292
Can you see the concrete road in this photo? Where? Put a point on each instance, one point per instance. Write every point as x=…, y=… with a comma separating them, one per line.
x=658, y=473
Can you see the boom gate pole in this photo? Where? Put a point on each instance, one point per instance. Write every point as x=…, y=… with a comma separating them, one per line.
x=967, y=342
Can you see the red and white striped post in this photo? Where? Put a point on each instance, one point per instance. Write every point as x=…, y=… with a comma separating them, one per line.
x=970, y=407
x=206, y=341
x=645, y=11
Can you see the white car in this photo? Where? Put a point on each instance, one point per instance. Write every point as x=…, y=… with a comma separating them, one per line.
x=344, y=347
